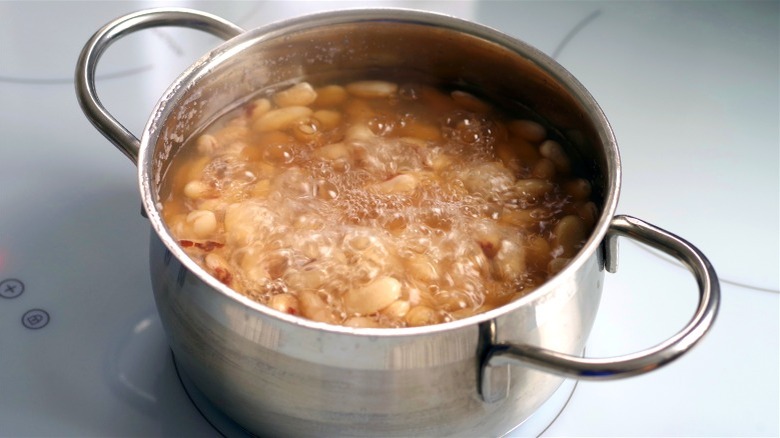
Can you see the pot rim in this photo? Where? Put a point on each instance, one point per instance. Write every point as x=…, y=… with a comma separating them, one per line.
x=169, y=100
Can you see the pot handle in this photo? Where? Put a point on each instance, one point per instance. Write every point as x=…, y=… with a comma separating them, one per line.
x=120, y=136
x=498, y=355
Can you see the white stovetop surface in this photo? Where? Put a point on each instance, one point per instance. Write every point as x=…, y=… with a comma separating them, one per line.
x=691, y=90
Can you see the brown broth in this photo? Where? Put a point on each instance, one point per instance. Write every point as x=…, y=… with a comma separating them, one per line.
x=377, y=204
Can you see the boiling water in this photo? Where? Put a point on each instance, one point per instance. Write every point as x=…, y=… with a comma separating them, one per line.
x=374, y=204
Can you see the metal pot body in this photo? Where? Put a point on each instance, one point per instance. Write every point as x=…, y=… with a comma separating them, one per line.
x=277, y=374
x=278, y=378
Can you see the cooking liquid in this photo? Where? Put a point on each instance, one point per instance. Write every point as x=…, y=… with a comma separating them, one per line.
x=405, y=207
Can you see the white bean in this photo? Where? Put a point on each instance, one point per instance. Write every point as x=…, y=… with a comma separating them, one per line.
x=554, y=151
x=301, y=94
x=528, y=129
x=329, y=119
x=196, y=189
x=372, y=297
x=421, y=267
x=488, y=237
x=259, y=107
x=207, y=144
x=556, y=265
x=361, y=322
x=334, y=151
x=247, y=222
x=306, y=279
x=509, y=262
x=372, y=89
x=330, y=96
x=203, y=223
x=404, y=183
x=397, y=310
x=469, y=101
x=421, y=315
x=544, y=169
x=358, y=133
x=568, y=235
x=579, y=189
x=534, y=187
x=286, y=303
x=281, y=118
x=315, y=308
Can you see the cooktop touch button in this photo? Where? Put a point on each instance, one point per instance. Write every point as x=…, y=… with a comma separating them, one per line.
x=35, y=319
x=11, y=288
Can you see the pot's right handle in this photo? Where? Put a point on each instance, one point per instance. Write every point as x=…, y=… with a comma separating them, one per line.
x=120, y=136
x=500, y=354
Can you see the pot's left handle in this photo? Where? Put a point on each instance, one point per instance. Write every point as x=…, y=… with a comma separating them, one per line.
x=120, y=136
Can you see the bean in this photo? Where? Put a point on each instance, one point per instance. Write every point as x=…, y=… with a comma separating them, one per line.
x=196, y=189
x=307, y=130
x=421, y=315
x=358, y=133
x=556, y=265
x=534, y=187
x=203, y=223
x=372, y=89
x=231, y=133
x=372, y=297
x=588, y=212
x=334, y=151
x=252, y=263
x=470, y=102
x=397, y=310
x=328, y=119
x=487, y=178
x=568, y=236
x=404, y=183
x=520, y=218
x=330, y=96
x=206, y=144
x=544, y=169
x=579, y=189
x=421, y=267
x=286, y=303
x=537, y=252
x=219, y=268
x=259, y=107
x=301, y=94
x=506, y=152
x=315, y=308
x=246, y=222
x=554, y=151
x=281, y=118
x=528, y=129
x=509, y=262
x=420, y=131
x=488, y=237
x=361, y=322
x=306, y=279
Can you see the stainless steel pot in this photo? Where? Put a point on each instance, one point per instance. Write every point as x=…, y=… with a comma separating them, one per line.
x=278, y=374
